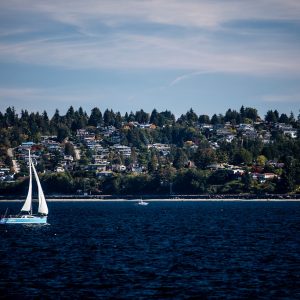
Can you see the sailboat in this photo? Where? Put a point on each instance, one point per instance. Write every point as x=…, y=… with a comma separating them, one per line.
x=142, y=202
x=25, y=216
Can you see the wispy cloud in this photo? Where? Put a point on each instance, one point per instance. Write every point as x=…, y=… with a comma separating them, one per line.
x=12, y=93
x=39, y=99
x=137, y=51
x=183, y=77
x=99, y=36
x=202, y=13
x=284, y=98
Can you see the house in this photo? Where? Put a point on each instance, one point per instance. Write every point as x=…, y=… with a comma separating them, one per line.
x=291, y=133
x=68, y=158
x=245, y=127
x=205, y=126
x=250, y=134
x=136, y=168
x=214, y=145
x=269, y=176
x=108, y=130
x=222, y=132
x=4, y=171
x=144, y=126
x=7, y=178
x=265, y=136
x=115, y=138
x=159, y=147
x=118, y=168
x=123, y=150
x=275, y=164
x=163, y=149
x=104, y=174
x=97, y=167
x=27, y=144
x=59, y=169
x=262, y=177
x=216, y=166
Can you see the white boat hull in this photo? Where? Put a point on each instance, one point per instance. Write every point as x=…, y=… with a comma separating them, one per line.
x=24, y=220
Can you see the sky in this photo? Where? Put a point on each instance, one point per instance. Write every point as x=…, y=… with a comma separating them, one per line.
x=127, y=55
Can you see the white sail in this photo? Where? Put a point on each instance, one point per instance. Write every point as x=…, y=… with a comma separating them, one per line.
x=28, y=202
x=43, y=208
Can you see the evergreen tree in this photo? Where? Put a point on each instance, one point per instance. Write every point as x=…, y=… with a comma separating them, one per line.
x=271, y=117
x=216, y=119
x=242, y=113
x=10, y=117
x=204, y=119
x=95, y=118
x=288, y=181
x=292, y=118
x=62, y=132
x=141, y=117
x=154, y=117
x=191, y=117
x=204, y=157
x=180, y=159
x=251, y=113
x=69, y=149
x=55, y=121
x=284, y=119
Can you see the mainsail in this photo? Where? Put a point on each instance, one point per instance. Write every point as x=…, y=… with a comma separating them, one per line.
x=28, y=202
x=43, y=208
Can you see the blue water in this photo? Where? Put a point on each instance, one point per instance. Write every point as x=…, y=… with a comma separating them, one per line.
x=179, y=250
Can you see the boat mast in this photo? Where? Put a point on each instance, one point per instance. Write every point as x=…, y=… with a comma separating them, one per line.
x=28, y=202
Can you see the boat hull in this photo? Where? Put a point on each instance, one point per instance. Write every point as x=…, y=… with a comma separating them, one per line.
x=24, y=220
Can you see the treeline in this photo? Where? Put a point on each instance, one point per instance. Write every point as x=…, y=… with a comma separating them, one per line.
x=166, y=181
x=17, y=128
x=183, y=170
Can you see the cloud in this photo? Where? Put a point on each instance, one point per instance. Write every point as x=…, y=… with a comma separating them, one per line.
x=183, y=77
x=202, y=13
x=98, y=34
x=12, y=93
x=141, y=52
x=285, y=98
x=39, y=99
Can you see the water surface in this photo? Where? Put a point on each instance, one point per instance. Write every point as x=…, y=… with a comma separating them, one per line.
x=178, y=250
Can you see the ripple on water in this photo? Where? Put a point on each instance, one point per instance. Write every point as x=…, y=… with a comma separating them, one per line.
x=204, y=250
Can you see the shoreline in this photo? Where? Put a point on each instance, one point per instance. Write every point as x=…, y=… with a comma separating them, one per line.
x=159, y=200
x=158, y=197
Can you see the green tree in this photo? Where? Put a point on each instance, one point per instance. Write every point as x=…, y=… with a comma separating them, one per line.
x=141, y=117
x=284, y=119
x=247, y=181
x=251, y=113
x=242, y=156
x=62, y=132
x=271, y=116
x=180, y=159
x=95, y=118
x=261, y=160
x=288, y=181
x=154, y=118
x=190, y=181
x=153, y=163
x=204, y=119
x=204, y=157
x=69, y=149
